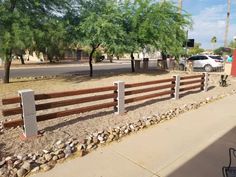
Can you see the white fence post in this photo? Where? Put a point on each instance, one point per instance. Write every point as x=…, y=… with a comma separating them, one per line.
x=28, y=113
x=205, y=88
x=177, y=86
x=120, y=108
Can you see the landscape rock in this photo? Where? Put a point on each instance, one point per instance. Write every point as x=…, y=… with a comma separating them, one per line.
x=80, y=147
x=41, y=160
x=20, y=157
x=61, y=146
x=27, y=166
x=90, y=146
x=58, y=152
x=35, y=169
x=54, y=158
x=46, y=151
x=8, y=158
x=58, y=143
x=61, y=155
x=21, y=172
x=45, y=167
x=47, y=157
x=2, y=163
x=100, y=138
x=95, y=140
x=2, y=171
x=17, y=163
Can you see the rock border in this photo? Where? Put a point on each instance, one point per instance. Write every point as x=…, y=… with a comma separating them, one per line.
x=22, y=164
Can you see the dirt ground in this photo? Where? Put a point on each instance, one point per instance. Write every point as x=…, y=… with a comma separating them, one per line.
x=78, y=126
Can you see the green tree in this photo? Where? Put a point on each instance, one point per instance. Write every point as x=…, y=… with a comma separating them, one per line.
x=20, y=21
x=158, y=24
x=196, y=49
x=98, y=26
x=51, y=39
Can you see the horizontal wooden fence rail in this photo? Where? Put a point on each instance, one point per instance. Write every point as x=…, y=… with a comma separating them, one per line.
x=191, y=77
x=49, y=116
x=168, y=84
x=55, y=104
x=191, y=87
x=193, y=82
x=61, y=103
x=115, y=96
x=150, y=89
x=14, y=100
x=148, y=83
x=154, y=95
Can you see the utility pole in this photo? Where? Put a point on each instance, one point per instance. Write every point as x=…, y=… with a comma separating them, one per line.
x=180, y=4
x=227, y=24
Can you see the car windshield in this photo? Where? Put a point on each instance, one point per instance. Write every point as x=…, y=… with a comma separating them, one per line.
x=216, y=57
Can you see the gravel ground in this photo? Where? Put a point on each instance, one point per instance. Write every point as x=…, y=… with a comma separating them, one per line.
x=78, y=126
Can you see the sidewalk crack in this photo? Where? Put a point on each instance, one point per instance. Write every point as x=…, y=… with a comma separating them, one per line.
x=136, y=163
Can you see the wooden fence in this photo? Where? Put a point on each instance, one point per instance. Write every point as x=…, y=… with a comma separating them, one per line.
x=28, y=104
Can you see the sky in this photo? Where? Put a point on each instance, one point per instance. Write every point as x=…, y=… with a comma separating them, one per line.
x=209, y=18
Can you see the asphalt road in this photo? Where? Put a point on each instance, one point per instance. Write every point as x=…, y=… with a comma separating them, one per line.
x=77, y=69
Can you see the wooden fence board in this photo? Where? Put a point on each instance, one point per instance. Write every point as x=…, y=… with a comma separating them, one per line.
x=192, y=82
x=74, y=111
x=13, y=123
x=63, y=103
x=12, y=111
x=13, y=100
x=191, y=77
x=73, y=93
x=191, y=87
x=148, y=83
x=131, y=100
x=132, y=92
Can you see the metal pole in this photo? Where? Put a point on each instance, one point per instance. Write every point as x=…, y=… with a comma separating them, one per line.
x=227, y=24
x=180, y=5
x=186, y=43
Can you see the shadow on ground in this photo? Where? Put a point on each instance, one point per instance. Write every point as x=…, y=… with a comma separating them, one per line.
x=194, y=91
x=210, y=161
x=81, y=76
x=3, y=151
x=103, y=113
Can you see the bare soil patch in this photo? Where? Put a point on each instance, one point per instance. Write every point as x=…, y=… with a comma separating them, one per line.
x=78, y=126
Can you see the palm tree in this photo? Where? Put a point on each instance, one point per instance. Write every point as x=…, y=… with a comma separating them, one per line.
x=227, y=24
x=213, y=42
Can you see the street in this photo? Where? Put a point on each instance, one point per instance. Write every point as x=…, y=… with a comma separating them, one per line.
x=64, y=70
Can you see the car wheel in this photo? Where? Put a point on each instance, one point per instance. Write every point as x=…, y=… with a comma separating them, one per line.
x=208, y=68
x=181, y=67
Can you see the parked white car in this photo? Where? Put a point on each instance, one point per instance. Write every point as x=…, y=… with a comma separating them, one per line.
x=206, y=62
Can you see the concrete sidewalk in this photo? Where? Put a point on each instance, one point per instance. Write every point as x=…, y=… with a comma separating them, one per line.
x=193, y=145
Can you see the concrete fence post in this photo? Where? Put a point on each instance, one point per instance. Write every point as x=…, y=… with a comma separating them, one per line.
x=28, y=113
x=120, y=108
x=206, y=77
x=177, y=86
